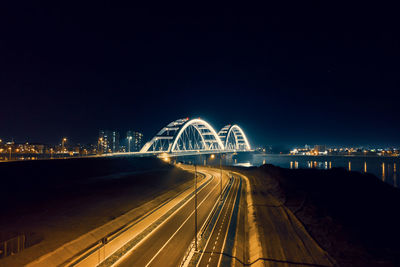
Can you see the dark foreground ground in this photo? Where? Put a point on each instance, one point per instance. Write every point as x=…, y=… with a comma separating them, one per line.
x=353, y=216
x=54, y=201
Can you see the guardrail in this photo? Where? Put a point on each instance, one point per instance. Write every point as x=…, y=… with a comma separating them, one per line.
x=12, y=246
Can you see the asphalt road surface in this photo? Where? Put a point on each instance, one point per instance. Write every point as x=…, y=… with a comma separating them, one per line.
x=166, y=245
x=221, y=237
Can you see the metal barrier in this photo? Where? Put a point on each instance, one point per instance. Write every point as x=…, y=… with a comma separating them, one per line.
x=12, y=246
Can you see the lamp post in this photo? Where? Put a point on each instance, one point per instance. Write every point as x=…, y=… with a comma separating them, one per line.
x=195, y=204
x=129, y=143
x=62, y=144
x=220, y=169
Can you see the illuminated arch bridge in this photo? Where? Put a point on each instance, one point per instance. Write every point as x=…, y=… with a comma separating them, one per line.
x=196, y=135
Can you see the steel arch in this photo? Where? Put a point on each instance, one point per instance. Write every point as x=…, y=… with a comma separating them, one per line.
x=172, y=137
x=234, y=138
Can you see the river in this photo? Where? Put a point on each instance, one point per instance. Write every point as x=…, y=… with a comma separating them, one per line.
x=385, y=168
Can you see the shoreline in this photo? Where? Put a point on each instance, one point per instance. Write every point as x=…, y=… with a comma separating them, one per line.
x=361, y=156
x=356, y=224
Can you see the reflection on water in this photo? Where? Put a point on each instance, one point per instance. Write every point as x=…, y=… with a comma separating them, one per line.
x=245, y=164
x=312, y=164
x=383, y=167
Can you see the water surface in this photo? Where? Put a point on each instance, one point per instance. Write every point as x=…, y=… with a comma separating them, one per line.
x=385, y=168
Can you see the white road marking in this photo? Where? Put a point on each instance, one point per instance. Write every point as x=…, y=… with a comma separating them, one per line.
x=226, y=234
x=225, y=202
x=159, y=251
x=126, y=255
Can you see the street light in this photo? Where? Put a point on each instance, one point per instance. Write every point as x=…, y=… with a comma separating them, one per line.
x=9, y=148
x=195, y=204
x=220, y=168
x=129, y=143
x=62, y=144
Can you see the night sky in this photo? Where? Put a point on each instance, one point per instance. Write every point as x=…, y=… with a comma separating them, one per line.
x=300, y=73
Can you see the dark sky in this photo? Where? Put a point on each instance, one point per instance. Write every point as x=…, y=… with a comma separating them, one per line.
x=292, y=74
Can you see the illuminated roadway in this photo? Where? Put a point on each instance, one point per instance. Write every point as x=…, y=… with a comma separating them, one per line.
x=167, y=245
x=217, y=243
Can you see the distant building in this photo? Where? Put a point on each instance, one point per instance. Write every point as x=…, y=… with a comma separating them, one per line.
x=320, y=149
x=108, y=141
x=115, y=141
x=136, y=141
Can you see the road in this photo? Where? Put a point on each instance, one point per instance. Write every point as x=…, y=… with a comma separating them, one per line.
x=220, y=243
x=166, y=245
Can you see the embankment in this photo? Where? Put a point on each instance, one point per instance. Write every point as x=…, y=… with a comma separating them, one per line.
x=353, y=216
x=55, y=201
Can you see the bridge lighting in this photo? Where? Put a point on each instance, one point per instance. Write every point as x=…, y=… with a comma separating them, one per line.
x=212, y=156
x=165, y=157
x=234, y=138
x=190, y=135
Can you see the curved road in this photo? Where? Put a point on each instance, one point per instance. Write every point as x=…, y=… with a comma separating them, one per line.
x=220, y=243
x=167, y=245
